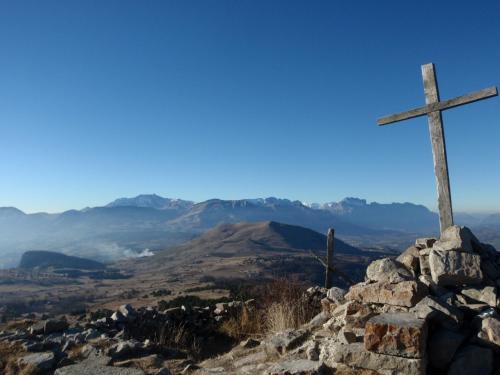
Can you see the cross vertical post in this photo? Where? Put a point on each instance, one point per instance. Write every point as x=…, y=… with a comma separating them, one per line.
x=433, y=109
x=436, y=131
x=329, y=258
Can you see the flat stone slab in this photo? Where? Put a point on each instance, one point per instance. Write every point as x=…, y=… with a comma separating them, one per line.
x=487, y=295
x=355, y=355
x=342, y=369
x=456, y=238
x=286, y=340
x=400, y=334
x=298, y=367
x=405, y=293
x=40, y=361
x=90, y=366
x=455, y=268
x=490, y=332
x=433, y=309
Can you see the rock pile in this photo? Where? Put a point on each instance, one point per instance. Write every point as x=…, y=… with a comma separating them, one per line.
x=125, y=341
x=433, y=309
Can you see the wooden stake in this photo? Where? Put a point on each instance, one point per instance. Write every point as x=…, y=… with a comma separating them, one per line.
x=329, y=258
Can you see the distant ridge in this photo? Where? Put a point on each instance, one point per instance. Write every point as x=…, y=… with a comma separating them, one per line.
x=46, y=259
x=151, y=201
x=127, y=226
x=395, y=216
x=259, y=238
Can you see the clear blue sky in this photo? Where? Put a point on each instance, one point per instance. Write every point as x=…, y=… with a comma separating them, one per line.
x=234, y=99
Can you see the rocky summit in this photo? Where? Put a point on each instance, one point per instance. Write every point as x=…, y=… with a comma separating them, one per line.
x=434, y=309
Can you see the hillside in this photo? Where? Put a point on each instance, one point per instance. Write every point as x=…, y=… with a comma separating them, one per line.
x=46, y=259
x=251, y=251
x=260, y=238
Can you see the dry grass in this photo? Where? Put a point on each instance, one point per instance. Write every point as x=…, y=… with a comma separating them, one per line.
x=246, y=324
x=281, y=305
x=19, y=324
x=75, y=353
x=283, y=315
x=9, y=355
x=179, y=337
x=286, y=306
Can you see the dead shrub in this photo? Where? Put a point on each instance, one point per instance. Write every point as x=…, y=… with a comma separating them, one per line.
x=286, y=305
x=178, y=336
x=9, y=356
x=281, y=305
x=245, y=324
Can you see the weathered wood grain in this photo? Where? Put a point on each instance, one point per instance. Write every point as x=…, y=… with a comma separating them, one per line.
x=439, y=106
x=433, y=110
x=438, y=148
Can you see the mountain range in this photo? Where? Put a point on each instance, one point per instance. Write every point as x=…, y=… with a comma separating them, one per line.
x=127, y=227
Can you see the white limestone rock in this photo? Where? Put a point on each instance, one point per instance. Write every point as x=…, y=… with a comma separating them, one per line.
x=456, y=238
x=455, y=268
x=388, y=270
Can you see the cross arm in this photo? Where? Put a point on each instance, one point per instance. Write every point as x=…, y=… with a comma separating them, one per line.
x=439, y=106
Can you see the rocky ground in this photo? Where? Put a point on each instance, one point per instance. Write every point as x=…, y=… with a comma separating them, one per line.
x=432, y=310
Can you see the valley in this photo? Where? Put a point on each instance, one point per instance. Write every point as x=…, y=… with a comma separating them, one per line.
x=228, y=256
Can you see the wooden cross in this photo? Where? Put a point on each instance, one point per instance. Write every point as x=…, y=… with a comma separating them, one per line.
x=433, y=110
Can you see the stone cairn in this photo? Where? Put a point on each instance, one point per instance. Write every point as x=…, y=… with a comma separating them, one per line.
x=434, y=309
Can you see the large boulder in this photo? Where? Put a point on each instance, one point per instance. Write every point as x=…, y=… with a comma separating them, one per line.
x=127, y=311
x=355, y=355
x=486, y=295
x=472, y=359
x=490, y=332
x=125, y=349
x=490, y=268
x=388, y=270
x=410, y=258
x=37, y=328
x=39, y=362
x=336, y=295
x=54, y=325
x=400, y=334
x=454, y=268
x=91, y=366
x=438, y=311
x=456, y=238
x=424, y=243
x=405, y=293
x=356, y=314
x=442, y=347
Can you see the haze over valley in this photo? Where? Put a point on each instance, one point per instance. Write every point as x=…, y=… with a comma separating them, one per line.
x=140, y=226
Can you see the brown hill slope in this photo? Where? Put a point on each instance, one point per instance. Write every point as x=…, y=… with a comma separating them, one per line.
x=251, y=251
x=258, y=239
